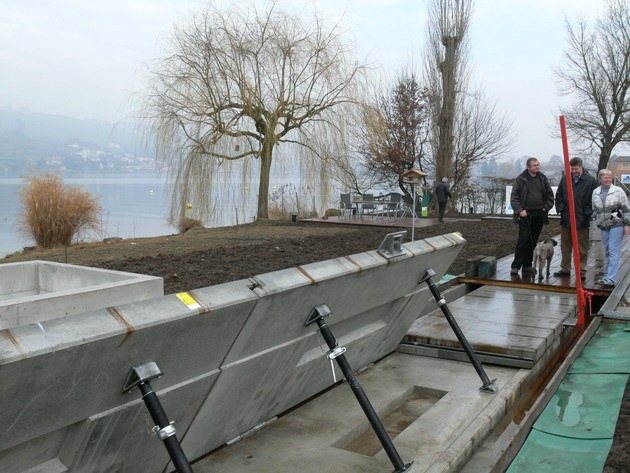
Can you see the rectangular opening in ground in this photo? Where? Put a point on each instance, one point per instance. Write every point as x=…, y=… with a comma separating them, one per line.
x=407, y=408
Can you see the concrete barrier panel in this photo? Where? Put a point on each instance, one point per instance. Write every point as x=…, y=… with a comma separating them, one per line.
x=233, y=355
x=272, y=365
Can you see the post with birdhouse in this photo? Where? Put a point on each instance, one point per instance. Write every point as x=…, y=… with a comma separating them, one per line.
x=413, y=177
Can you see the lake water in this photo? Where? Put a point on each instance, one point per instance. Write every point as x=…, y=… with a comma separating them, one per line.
x=133, y=206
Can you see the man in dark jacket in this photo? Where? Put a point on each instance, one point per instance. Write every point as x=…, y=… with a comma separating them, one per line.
x=442, y=194
x=583, y=186
x=531, y=199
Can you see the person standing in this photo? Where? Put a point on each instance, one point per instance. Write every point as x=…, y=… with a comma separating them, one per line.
x=442, y=194
x=583, y=186
x=612, y=216
x=531, y=199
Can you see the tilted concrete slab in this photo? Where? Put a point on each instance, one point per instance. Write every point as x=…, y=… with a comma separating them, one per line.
x=233, y=356
x=36, y=291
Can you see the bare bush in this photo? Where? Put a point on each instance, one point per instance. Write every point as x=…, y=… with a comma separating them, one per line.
x=187, y=223
x=55, y=214
x=289, y=199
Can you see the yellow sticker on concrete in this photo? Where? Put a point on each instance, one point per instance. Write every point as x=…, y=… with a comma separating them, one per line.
x=187, y=299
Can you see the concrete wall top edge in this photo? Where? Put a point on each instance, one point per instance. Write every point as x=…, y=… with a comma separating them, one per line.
x=49, y=296
x=276, y=281
x=221, y=295
x=81, y=328
x=29, y=341
x=47, y=336
x=434, y=243
x=313, y=273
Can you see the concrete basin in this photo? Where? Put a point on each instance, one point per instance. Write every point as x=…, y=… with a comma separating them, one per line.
x=36, y=291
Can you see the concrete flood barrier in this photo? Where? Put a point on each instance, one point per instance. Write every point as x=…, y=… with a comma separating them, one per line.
x=234, y=356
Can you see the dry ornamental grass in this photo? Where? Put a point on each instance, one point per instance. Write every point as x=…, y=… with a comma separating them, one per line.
x=55, y=214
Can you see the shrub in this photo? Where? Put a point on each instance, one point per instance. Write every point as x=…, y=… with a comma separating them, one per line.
x=288, y=200
x=187, y=223
x=55, y=214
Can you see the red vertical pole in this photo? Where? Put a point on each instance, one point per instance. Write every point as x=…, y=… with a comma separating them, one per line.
x=581, y=296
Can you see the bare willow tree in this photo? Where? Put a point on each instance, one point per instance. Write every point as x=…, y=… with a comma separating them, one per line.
x=465, y=127
x=596, y=72
x=395, y=133
x=239, y=83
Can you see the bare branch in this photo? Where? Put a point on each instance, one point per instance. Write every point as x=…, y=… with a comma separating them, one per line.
x=596, y=74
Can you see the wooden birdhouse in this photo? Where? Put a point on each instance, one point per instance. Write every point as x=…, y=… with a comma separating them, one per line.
x=413, y=176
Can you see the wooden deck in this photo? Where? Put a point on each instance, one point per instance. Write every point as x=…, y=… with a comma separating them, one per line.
x=506, y=326
x=514, y=320
x=380, y=221
x=596, y=262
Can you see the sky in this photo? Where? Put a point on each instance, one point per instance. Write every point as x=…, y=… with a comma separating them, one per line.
x=86, y=59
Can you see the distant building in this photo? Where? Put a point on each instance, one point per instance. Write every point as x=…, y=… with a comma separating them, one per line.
x=620, y=167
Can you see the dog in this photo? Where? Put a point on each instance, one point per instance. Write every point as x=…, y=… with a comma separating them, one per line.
x=543, y=253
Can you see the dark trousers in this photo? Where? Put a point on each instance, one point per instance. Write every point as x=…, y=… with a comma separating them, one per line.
x=566, y=246
x=442, y=209
x=529, y=229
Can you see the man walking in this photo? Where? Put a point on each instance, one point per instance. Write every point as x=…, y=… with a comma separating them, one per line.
x=583, y=186
x=531, y=199
x=442, y=194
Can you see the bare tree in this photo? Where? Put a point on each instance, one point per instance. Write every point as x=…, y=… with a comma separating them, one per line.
x=446, y=69
x=395, y=133
x=239, y=83
x=596, y=71
x=481, y=132
x=494, y=193
x=465, y=127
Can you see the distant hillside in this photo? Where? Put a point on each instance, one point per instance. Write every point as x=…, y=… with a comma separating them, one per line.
x=29, y=136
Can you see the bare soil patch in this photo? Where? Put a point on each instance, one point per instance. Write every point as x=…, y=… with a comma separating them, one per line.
x=207, y=256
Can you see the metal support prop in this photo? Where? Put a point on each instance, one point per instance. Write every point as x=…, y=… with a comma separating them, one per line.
x=337, y=352
x=488, y=386
x=139, y=376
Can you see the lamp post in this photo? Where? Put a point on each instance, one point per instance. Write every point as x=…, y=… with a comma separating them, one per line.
x=413, y=177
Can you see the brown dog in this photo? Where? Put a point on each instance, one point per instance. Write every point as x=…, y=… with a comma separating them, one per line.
x=543, y=253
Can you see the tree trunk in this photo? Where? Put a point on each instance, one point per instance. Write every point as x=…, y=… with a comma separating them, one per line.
x=604, y=155
x=444, y=156
x=263, y=185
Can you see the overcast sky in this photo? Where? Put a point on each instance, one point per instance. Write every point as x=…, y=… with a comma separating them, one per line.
x=84, y=59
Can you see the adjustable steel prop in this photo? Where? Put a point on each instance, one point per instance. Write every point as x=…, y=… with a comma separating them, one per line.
x=488, y=386
x=140, y=376
x=336, y=352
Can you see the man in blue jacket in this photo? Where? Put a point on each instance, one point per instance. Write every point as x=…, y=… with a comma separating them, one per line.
x=583, y=186
x=531, y=199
